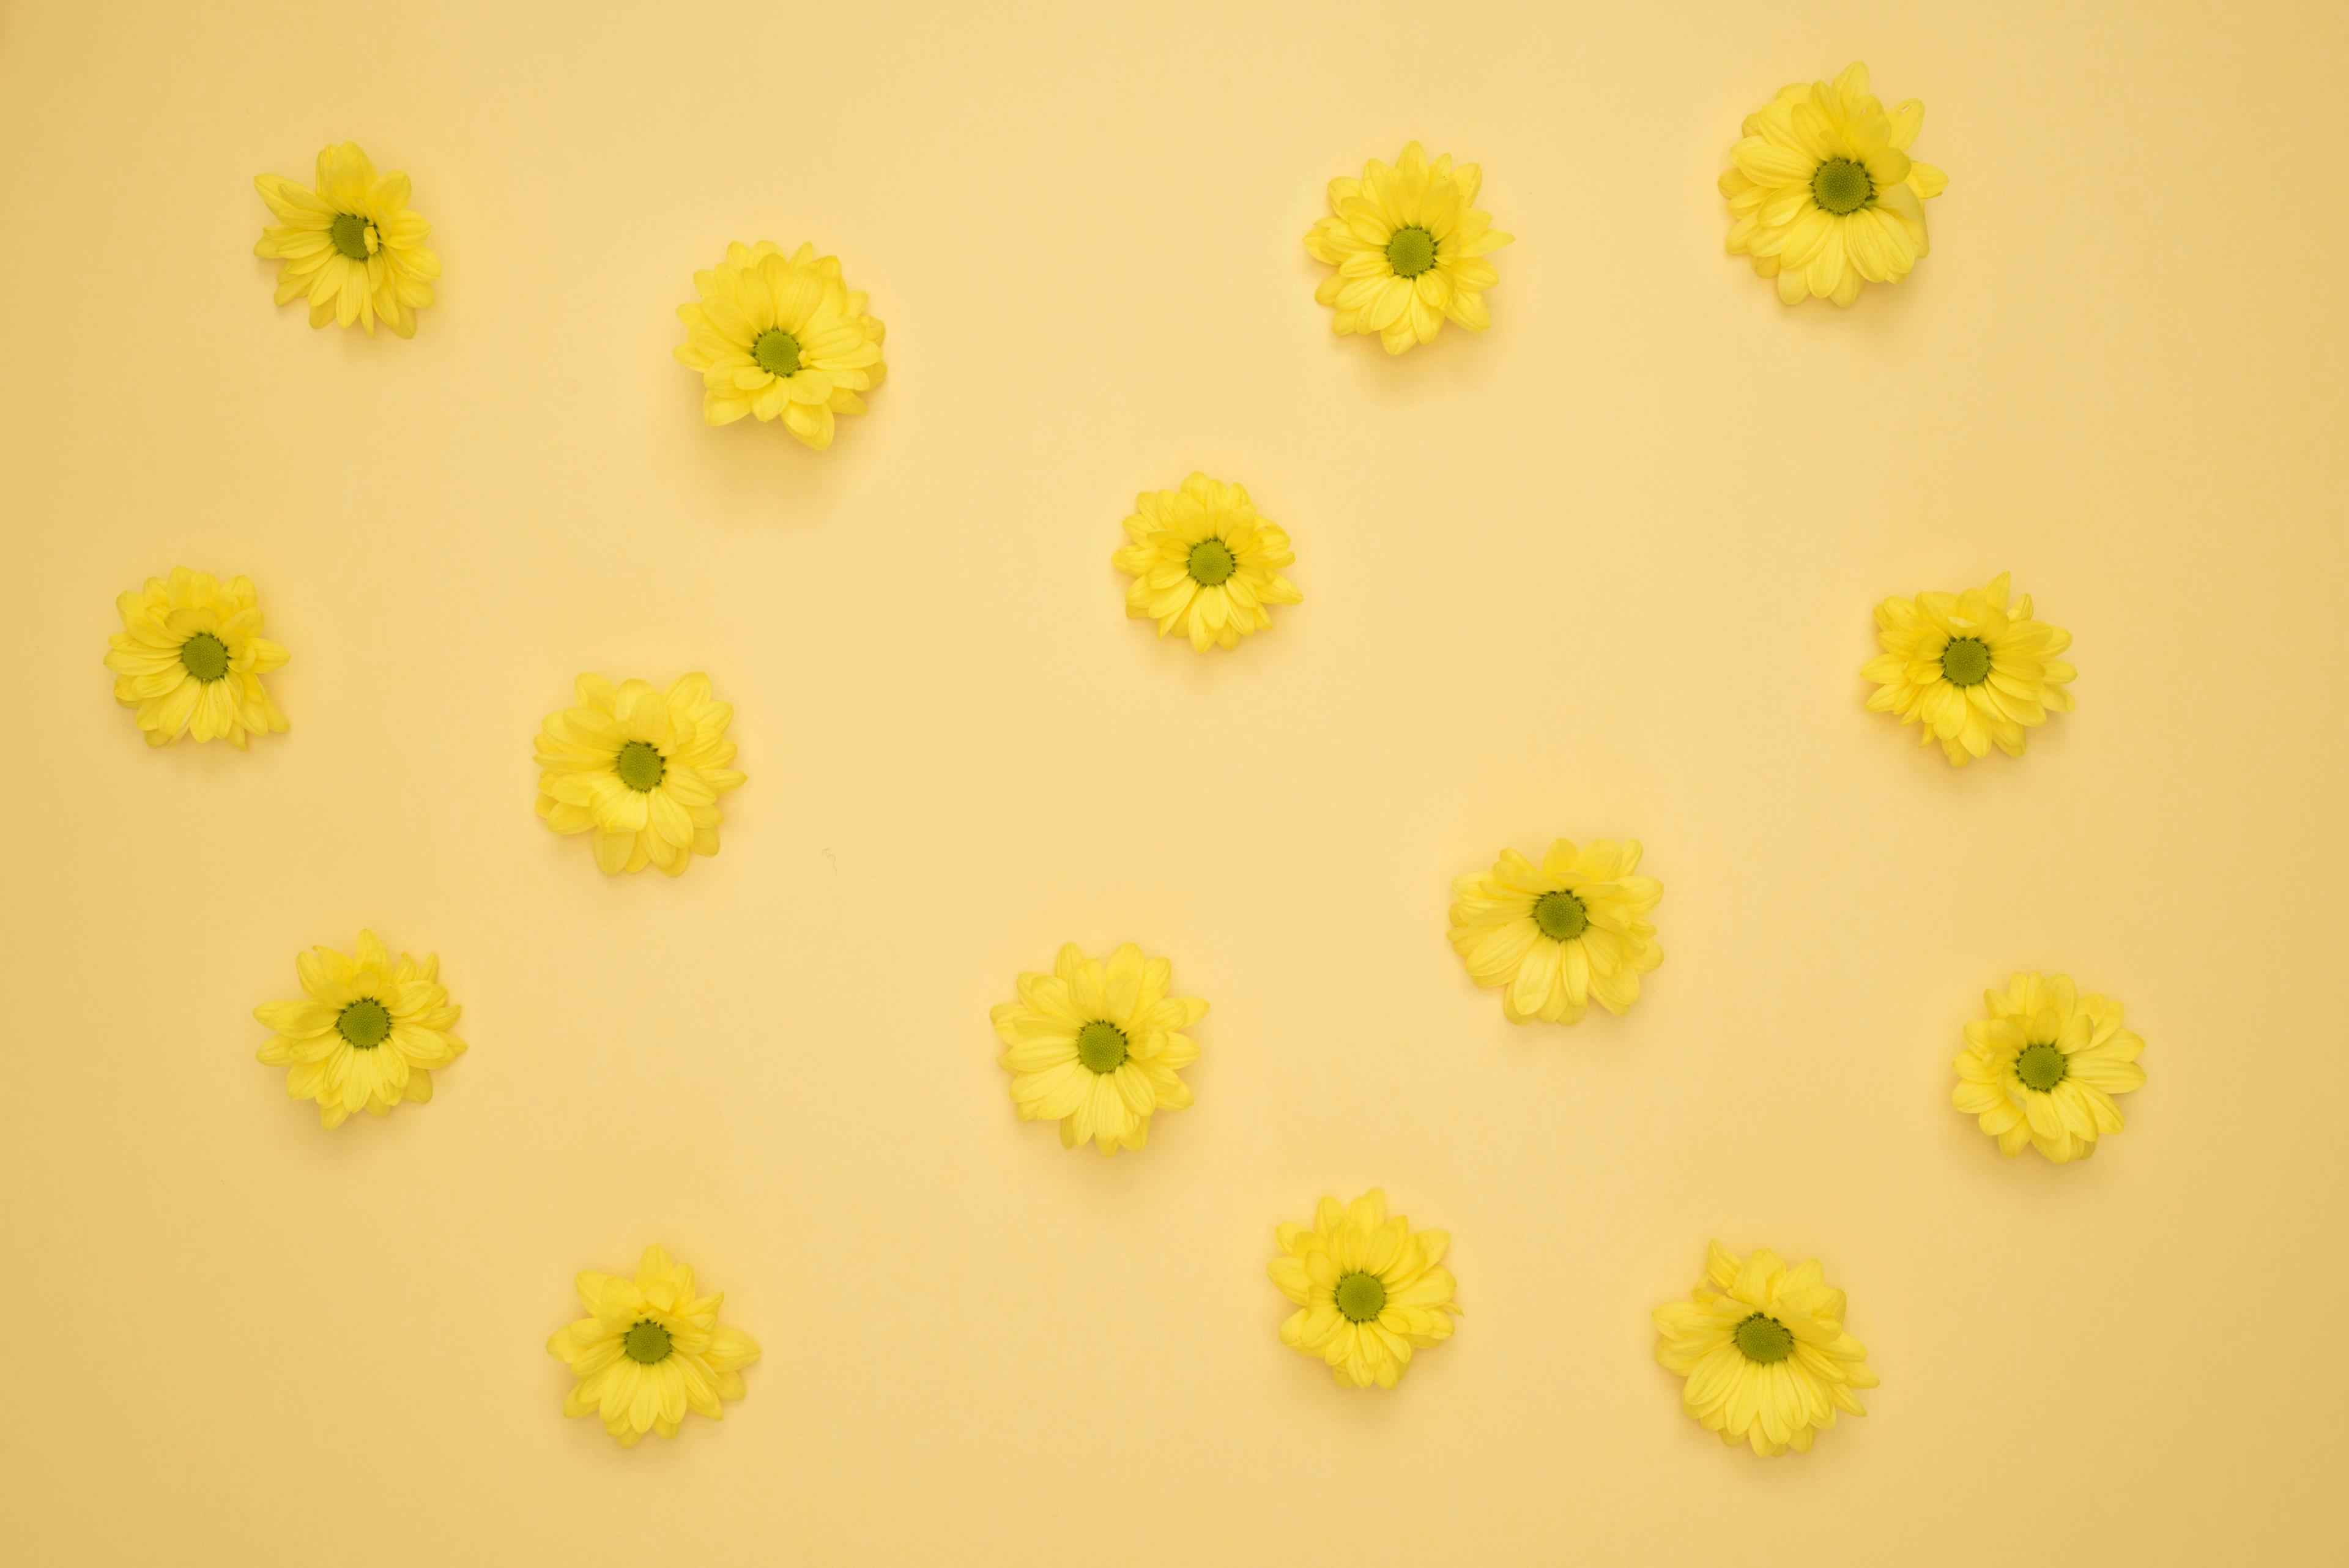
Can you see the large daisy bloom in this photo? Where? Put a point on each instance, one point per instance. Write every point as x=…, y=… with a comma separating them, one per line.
x=1553, y=936
x=1763, y=1351
x=783, y=338
x=2042, y=1068
x=640, y=769
x=1410, y=246
x=1822, y=192
x=1971, y=668
x=1369, y=1290
x=1203, y=563
x=649, y=1350
x=1097, y=1047
x=351, y=244
x=189, y=657
x=366, y=1033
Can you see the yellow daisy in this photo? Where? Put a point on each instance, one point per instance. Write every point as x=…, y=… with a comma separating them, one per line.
x=366, y=1033
x=649, y=1350
x=1823, y=191
x=352, y=243
x=643, y=769
x=1410, y=246
x=1369, y=1290
x=1205, y=563
x=1097, y=1046
x=191, y=657
x=1763, y=1351
x=1969, y=668
x=2043, y=1067
x=1554, y=935
x=781, y=338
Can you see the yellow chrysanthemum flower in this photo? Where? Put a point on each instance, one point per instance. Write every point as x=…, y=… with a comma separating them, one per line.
x=1203, y=563
x=1410, y=246
x=1369, y=1290
x=1097, y=1046
x=352, y=245
x=365, y=1034
x=781, y=338
x=1555, y=936
x=642, y=769
x=1969, y=668
x=1764, y=1350
x=649, y=1350
x=191, y=657
x=2043, y=1067
x=1823, y=191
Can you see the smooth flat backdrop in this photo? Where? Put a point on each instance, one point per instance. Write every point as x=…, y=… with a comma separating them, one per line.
x=1605, y=570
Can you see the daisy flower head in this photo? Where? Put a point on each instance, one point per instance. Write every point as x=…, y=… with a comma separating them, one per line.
x=1369, y=1290
x=1205, y=563
x=1551, y=937
x=650, y=1350
x=351, y=243
x=2042, y=1067
x=1823, y=195
x=783, y=338
x=1971, y=669
x=640, y=769
x=1097, y=1047
x=1764, y=1350
x=366, y=1033
x=189, y=657
x=1409, y=245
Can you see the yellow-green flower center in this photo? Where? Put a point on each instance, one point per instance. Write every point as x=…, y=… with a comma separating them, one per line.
x=1212, y=562
x=1842, y=186
x=1763, y=1339
x=1966, y=661
x=777, y=351
x=2042, y=1066
x=350, y=232
x=1362, y=1296
x=1101, y=1045
x=1561, y=916
x=1411, y=251
x=640, y=766
x=647, y=1342
x=204, y=656
x=366, y=1022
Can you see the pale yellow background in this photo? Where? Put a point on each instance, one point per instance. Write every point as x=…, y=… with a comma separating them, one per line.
x=1606, y=570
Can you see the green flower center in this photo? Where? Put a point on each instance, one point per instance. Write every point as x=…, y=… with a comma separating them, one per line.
x=204, y=656
x=1212, y=562
x=1561, y=916
x=1763, y=1339
x=777, y=351
x=365, y=1023
x=1101, y=1045
x=350, y=232
x=2042, y=1067
x=640, y=766
x=1361, y=1296
x=1966, y=661
x=647, y=1342
x=1841, y=186
x=1411, y=251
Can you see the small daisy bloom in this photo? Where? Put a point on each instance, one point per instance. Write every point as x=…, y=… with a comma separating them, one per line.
x=1551, y=937
x=1203, y=563
x=1097, y=1047
x=650, y=1350
x=1409, y=246
x=1369, y=1290
x=1763, y=1349
x=1972, y=669
x=366, y=1033
x=2042, y=1068
x=640, y=769
x=351, y=243
x=189, y=657
x=783, y=338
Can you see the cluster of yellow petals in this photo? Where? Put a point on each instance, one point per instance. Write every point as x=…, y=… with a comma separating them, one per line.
x=1409, y=245
x=1764, y=1352
x=780, y=336
x=351, y=243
